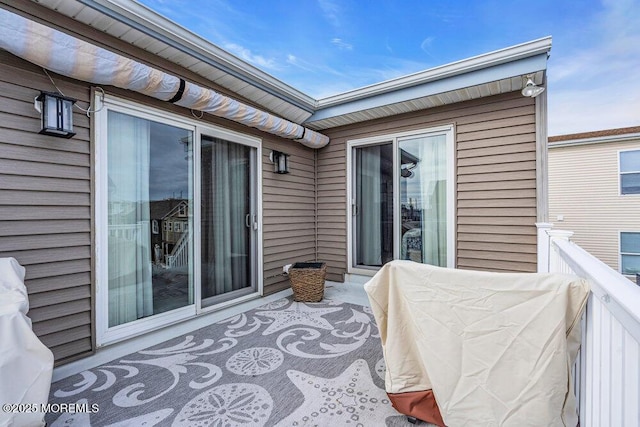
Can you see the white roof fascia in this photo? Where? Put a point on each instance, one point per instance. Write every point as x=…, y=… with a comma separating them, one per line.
x=445, y=82
x=501, y=56
x=165, y=30
x=595, y=140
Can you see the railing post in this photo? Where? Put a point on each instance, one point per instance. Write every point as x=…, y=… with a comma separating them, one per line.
x=554, y=258
x=543, y=246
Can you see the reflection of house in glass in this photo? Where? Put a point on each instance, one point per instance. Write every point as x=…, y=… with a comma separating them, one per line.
x=423, y=175
x=169, y=232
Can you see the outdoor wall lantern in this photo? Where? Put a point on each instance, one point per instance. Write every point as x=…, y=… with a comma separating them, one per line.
x=531, y=89
x=280, y=161
x=56, y=111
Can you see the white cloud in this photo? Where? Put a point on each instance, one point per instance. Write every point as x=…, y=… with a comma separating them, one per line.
x=388, y=46
x=331, y=11
x=299, y=63
x=426, y=44
x=349, y=77
x=575, y=111
x=341, y=44
x=247, y=55
x=596, y=82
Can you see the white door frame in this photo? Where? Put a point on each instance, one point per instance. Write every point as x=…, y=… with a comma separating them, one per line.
x=394, y=138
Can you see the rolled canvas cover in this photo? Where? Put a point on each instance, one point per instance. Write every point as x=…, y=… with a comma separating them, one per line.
x=495, y=349
x=26, y=365
x=72, y=57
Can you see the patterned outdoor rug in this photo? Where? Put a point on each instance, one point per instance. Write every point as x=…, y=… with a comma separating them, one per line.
x=284, y=363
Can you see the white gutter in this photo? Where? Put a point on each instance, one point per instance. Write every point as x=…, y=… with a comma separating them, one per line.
x=71, y=57
x=502, y=56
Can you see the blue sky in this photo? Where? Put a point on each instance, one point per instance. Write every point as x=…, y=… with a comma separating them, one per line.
x=323, y=47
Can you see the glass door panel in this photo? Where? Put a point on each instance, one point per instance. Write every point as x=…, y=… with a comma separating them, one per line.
x=228, y=221
x=149, y=201
x=373, y=210
x=423, y=199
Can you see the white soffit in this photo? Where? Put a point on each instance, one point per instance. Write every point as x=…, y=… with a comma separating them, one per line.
x=148, y=30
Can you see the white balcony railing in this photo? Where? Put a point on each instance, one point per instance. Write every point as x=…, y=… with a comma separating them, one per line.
x=607, y=371
x=179, y=257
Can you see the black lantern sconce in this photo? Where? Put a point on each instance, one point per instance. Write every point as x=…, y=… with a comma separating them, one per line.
x=280, y=161
x=56, y=111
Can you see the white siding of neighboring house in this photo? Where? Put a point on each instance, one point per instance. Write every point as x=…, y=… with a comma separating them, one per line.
x=584, y=188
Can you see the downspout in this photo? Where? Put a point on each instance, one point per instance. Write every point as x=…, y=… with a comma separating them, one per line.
x=75, y=58
x=542, y=154
x=315, y=185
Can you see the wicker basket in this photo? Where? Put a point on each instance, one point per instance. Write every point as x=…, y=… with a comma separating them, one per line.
x=307, y=281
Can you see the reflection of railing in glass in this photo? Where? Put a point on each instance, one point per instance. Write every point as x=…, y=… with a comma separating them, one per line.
x=179, y=256
x=138, y=232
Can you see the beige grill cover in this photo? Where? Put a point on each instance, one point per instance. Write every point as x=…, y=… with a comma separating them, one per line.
x=496, y=348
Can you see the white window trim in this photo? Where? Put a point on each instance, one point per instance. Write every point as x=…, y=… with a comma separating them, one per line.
x=448, y=130
x=107, y=335
x=620, y=253
x=620, y=173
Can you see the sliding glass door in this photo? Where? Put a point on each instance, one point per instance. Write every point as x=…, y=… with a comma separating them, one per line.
x=228, y=220
x=177, y=219
x=402, y=199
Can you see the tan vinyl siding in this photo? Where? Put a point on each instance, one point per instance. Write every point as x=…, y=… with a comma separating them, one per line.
x=495, y=179
x=584, y=188
x=496, y=189
x=332, y=205
x=45, y=208
x=46, y=203
x=288, y=202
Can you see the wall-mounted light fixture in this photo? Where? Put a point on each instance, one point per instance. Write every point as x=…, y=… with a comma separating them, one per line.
x=280, y=161
x=57, y=114
x=531, y=89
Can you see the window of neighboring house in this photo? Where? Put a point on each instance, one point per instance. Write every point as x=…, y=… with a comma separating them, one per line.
x=630, y=253
x=182, y=211
x=630, y=172
x=154, y=226
x=169, y=226
x=177, y=227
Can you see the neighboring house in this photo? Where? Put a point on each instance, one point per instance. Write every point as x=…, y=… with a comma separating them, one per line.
x=169, y=224
x=594, y=191
x=444, y=166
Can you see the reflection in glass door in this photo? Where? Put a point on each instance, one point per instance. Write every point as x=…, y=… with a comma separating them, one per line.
x=373, y=209
x=149, y=199
x=228, y=221
x=423, y=199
